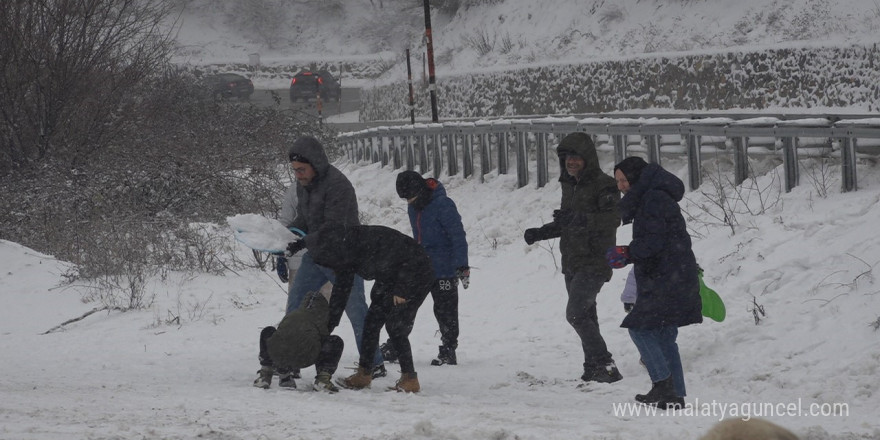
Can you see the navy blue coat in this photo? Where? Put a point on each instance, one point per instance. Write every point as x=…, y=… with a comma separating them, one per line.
x=438, y=228
x=665, y=266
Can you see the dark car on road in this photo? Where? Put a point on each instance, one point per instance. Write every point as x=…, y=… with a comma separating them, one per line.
x=308, y=84
x=228, y=85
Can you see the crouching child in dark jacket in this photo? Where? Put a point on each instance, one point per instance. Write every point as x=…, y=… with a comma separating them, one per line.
x=302, y=339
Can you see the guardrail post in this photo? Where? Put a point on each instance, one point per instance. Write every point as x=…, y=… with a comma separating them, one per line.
x=367, y=153
x=423, y=154
x=790, y=163
x=485, y=155
x=395, y=152
x=451, y=153
x=467, y=153
x=653, y=144
x=384, y=147
x=695, y=160
x=619, y=141
x=848, y=164
x=436, y=155
x=407, y=145
x=522, y=157
x=541, y=158
x=503, y=157
x=740, y=159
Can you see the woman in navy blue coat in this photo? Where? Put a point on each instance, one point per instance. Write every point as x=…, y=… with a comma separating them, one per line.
x=665, y=271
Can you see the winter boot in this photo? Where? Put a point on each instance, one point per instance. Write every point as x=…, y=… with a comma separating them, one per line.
x=286, y=379
x=662, y=395
x=408, y=383
x=324, y=383
x=388, y=351
x=357, y=381
x=446, y=356
x=604, y=373
x=264, y=377
x=379, y=371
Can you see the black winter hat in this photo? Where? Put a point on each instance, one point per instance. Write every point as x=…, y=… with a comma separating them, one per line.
x=410, y=184
x=631, y=167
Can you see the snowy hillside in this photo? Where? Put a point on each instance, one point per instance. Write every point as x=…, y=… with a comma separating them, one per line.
x=513, y=32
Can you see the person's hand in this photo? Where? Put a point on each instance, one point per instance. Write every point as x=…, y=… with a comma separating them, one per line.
x=399, y=300
x=563, y=217
x=627, y=307
x=463, y=273
x=281, y=268
x=617, y=256
x=531, y=235
x=295, y=246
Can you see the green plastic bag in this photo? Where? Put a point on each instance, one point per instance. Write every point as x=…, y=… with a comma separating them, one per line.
x=713, y=306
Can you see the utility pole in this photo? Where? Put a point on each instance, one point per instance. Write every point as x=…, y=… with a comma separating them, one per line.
x=412, y=107
x=432, y=82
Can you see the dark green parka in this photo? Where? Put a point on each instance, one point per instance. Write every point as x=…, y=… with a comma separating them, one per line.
x=589, y=224
x=297, y=342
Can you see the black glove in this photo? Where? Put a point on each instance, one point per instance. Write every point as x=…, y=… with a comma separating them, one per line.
x=627, y=307
x=531, y=235
x=563, y=217
x=295, y=246
x=464, y=274
x=281, y=268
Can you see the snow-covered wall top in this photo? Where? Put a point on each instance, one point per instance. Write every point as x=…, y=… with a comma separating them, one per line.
x=827, y=77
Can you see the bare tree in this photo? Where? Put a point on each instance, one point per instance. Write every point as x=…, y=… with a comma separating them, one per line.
x=67, y=66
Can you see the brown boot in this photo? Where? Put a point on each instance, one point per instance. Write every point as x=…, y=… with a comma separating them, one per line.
x=357, y=381
x=408, y=383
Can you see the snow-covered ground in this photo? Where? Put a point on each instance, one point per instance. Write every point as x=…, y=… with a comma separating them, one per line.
x=811, y=364
x=804, y=267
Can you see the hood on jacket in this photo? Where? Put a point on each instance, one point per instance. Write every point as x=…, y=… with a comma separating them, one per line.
x=308, y=149
x=653, y=178
x=582, y=145
x=631, y=167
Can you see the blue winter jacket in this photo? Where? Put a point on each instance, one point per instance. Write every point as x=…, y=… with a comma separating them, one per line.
x=438, y=228
x=664, y=264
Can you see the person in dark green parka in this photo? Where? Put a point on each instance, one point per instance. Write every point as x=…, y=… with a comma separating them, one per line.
x=586, y=224
x=302, y=339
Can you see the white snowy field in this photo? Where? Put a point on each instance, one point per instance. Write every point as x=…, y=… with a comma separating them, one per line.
x=811, y=364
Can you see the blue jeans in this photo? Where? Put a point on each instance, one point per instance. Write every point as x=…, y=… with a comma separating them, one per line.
x=659, y=352
x=310, y=278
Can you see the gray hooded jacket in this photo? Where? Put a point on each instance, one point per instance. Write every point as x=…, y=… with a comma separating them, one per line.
x=329, y=198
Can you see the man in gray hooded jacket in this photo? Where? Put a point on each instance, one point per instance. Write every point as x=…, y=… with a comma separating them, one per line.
x=324, y=196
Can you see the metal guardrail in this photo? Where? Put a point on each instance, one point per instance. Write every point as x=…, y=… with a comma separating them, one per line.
x=448, y=145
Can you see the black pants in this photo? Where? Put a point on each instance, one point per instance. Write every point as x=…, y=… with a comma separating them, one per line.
x=445, y=296
x=328, y=357
x=397, y=319
x=581, y=314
